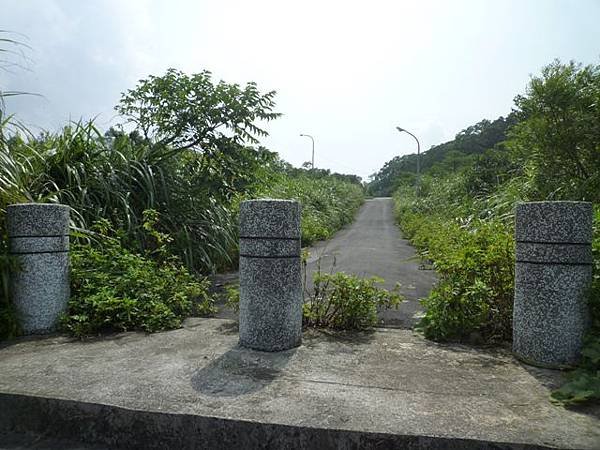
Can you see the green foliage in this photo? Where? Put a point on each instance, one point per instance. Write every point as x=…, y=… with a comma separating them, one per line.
x=328, y=203
x=232, y=292
x=558, y=136
x=583, y=384
x=114, y=289
x=447, y=158
x=474, y=260
x=186, y=111
x=164, y=193
x=463, y=219
x=118, y=176
x=9, y=324
x=187, y=159
x=342, y=301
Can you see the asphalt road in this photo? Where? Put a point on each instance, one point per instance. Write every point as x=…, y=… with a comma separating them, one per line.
x=372, y=245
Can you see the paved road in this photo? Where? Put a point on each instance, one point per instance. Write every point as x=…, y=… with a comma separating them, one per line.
x=373, y=245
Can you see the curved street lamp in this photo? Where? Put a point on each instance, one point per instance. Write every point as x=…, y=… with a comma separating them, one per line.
x=312, y=164
x=418, y=158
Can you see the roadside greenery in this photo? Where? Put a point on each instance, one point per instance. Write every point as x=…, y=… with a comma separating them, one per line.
x=117, y=290
x=548, y=148
x=154, y=208
x=583, y=384
x=338, y=301
x=475, y=264
x=346, y=302
x=328, y=201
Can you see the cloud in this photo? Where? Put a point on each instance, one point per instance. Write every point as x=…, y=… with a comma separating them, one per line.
x=346, y=72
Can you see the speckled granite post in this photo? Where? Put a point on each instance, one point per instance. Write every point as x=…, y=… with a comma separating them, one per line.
x=552, y=276
x=39, y=237
x=270, y=275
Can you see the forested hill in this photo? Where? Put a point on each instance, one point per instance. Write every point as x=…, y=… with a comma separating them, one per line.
x=466, y=146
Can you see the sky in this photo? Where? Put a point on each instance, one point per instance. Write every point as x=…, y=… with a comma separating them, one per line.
x=346, y=72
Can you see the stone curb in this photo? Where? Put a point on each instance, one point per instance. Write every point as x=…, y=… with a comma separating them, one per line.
x=120, y=427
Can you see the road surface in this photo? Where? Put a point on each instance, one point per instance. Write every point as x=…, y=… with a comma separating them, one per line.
x=372, y=245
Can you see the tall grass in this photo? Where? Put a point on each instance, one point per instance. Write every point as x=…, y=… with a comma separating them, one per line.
x=327, y=203
x=118, y=177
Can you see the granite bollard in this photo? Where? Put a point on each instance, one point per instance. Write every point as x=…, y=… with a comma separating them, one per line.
x=38, y=236
x=270, y=275
x=553, y=274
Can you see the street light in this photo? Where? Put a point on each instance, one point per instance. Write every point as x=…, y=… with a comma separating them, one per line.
x=418, y=158
x=312, y=164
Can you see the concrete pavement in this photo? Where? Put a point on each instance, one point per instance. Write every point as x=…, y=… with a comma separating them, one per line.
x=373, y=246
x=195, y=388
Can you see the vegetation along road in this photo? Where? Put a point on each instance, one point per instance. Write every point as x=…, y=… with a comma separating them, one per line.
x=372, y=246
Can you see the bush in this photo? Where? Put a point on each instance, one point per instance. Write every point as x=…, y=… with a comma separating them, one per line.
x=342, y=301
x=475, y=263
x=9, y=324
x=117, y=290
x=339, y=301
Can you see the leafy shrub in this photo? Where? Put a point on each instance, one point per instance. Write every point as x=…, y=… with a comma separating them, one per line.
x=340, y=301
x=343, y=301
x=9, y=324
x=115, y=289
x=475, y=263
x=583, y=384
x=232, y=292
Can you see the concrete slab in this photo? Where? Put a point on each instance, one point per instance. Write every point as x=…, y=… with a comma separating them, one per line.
x=195, y=388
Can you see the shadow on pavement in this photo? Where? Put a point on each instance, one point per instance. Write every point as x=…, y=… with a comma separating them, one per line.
x=240, y=371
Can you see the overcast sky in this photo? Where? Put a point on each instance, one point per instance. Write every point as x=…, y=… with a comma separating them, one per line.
x=346, y=72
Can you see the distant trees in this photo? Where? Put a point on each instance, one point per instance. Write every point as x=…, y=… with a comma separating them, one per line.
x=552, y=139
x=451, y=156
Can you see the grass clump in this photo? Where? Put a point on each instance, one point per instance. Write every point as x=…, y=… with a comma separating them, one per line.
x=346, y=302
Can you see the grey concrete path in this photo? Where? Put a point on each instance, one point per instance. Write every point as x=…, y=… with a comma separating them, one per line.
x=195, y=388
x=373, y=245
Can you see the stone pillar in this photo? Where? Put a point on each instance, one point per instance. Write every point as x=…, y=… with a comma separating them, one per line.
x=553, y=275
x=39, y=238
x=270, y=275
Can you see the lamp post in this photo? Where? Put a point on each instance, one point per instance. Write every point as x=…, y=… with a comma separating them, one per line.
x=418, y=158
x=312, y=163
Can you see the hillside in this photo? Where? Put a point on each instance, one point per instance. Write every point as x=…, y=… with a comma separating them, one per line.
x=469, y=144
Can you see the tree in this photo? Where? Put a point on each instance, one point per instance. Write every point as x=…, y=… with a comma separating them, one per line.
x=190, y=111
x=558, y=137
x=447, y=157
x=214, y=123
